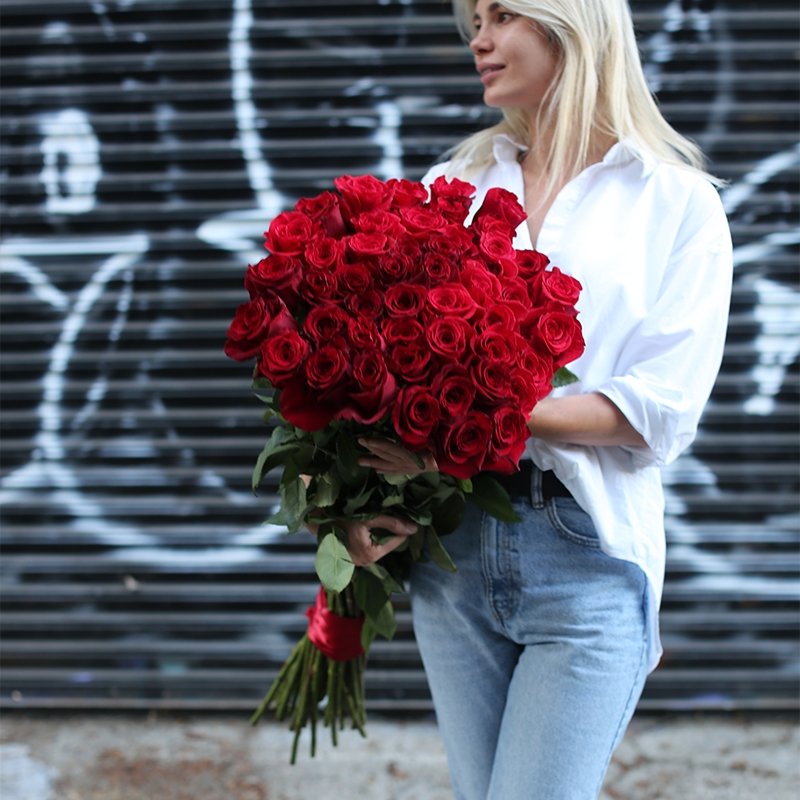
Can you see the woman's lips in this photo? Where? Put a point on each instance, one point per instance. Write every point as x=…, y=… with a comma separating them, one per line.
x=488, y=72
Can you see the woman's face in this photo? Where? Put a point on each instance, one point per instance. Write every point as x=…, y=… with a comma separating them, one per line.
x=516, y=63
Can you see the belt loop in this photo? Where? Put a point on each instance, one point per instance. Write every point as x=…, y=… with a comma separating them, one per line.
x=537, y=498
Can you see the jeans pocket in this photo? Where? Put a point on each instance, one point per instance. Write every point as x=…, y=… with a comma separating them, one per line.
x=572, y=522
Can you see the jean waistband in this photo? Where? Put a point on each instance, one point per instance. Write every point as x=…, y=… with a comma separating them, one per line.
x=518, y=484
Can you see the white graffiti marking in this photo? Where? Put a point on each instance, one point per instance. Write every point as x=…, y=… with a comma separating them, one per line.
x=71, y=154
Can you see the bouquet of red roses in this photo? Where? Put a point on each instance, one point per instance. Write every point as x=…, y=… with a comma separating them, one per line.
x=379, y=313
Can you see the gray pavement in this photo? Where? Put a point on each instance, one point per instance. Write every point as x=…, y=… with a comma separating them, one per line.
x=177, y=757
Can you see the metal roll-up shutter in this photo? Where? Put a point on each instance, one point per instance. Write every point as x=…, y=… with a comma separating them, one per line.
x=145, y=147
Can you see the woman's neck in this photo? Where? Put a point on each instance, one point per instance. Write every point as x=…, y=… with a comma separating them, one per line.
x=535, y=160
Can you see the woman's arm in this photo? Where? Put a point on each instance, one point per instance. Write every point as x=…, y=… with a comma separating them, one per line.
x=590, y=419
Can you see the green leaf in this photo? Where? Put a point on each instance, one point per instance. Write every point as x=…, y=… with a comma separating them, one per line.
x=326, y=488
x=333, y=564
x=264, y=391
x=293, y=492
x=396, y=478
x=279, y=447
x=347, y=455
x=489, y=495
x=367, y=634
x=448, y=512
x=392, y=500
x=384, y=623
x=415, y=543
x=438, y=554
x=563, y=377
x=420, y=516
x=390, y=583
x=465, y=484
x=357, y=501
x=280, y=517
x=370, y=593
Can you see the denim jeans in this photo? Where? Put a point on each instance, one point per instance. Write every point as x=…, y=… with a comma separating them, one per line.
x=534, y=651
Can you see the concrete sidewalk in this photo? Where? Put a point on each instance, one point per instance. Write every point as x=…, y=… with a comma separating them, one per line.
x=178, y=757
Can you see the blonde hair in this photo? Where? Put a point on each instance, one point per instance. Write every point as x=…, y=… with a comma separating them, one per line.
x=599, y=94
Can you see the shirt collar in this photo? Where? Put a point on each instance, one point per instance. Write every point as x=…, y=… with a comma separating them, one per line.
x=506, y=150
x=627, y=150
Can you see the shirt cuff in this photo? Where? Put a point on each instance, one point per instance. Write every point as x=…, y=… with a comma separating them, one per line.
x=655, y=415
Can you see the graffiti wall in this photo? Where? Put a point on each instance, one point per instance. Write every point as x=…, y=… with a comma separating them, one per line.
x=145, y=147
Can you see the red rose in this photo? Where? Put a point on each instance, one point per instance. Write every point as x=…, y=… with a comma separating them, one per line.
x=395, y=267
x=354, y=278
x=560, y=287
x=282, y=357
x=318, y=206
x=411, y=362
x=527, y=387
x=407, y=193
x=454, y=241
x=363, y=333
x=502, y=206
x=452, y=199
x=252, y=322
x=537, y=368
x=326, y=368
x=455, y=391
x=482, y=285
x=289, y=233
x=324, y=209
x=530, y=262
x=415, y=415
x=376, y=389
x=367, y=304
x=301, y=407
x=561, y=334
x=438, y=268
x=516, y=291
x=379, y=222
x=363, y=193
x=452, y=300
x=492, y=380
x=449, y=337
x=410, y=251
x=509, y=434
x=507, y=268
x=503, y=313
x=422, y=221
x=323, y=252
x=367, y=244
x=495, y=343
x=404, y=300
x=278, y=275
x=496, y=245
x=325, y=322
x=464, y=447
x=402, y=330
x=318, y=285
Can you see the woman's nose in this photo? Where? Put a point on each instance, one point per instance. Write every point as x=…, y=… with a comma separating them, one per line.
x=480, y=42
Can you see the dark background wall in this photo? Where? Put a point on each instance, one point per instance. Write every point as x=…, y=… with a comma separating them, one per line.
x=145, y=147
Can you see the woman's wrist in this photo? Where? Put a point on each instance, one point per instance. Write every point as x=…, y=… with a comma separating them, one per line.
x=586, y=419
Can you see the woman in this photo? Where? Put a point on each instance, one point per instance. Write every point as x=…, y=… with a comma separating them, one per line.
x=538, y=647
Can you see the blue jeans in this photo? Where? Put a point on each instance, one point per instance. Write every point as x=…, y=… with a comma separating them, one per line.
x=534, y=652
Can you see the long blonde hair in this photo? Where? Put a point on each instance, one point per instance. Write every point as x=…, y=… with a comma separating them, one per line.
x=600, y=91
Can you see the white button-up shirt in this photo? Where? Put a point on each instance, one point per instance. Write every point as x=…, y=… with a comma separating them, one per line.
x=651, y=246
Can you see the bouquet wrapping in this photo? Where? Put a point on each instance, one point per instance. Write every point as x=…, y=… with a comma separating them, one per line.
x=378, y=313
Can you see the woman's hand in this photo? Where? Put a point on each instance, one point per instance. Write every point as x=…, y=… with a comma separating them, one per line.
x=394, y=459
x=363, y=550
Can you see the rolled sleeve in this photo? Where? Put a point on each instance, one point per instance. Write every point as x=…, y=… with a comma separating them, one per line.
x=667, y=369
